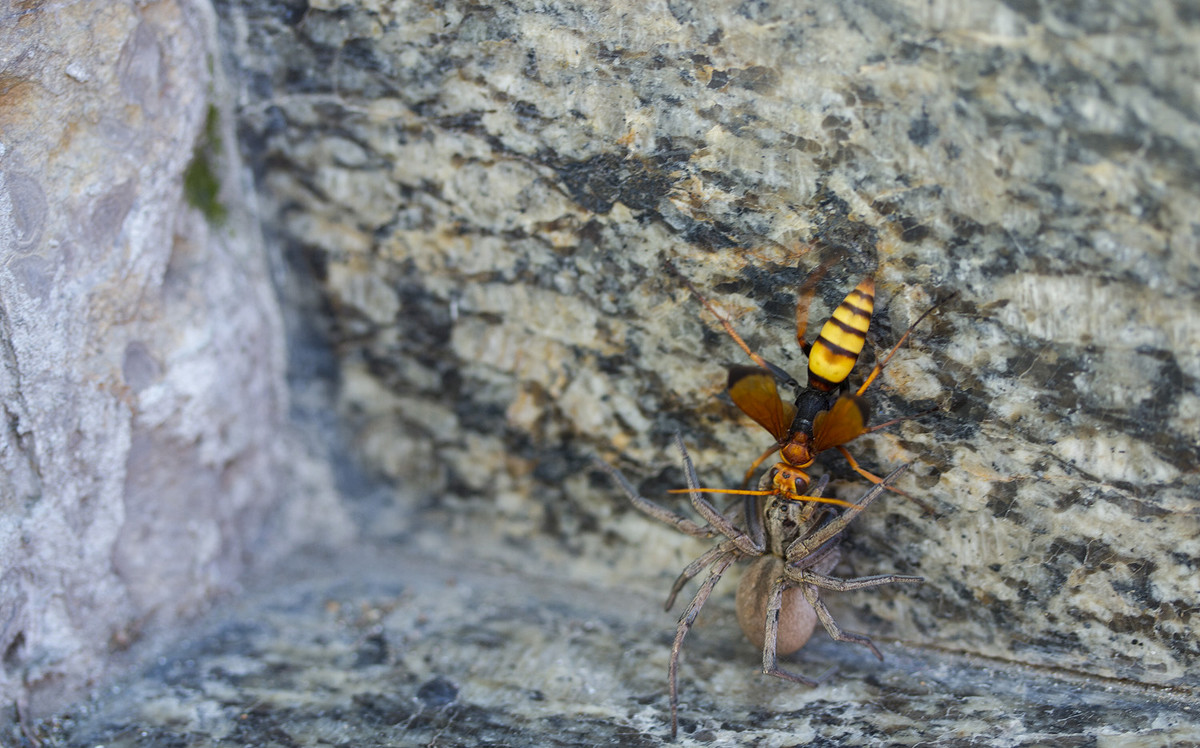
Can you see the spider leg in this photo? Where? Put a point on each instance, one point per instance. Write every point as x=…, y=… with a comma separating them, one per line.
x=660, y=513
x=835, y=631
x=697, y=566
x=820, y=486
x=814, y=541
x=771, y=637
x=685, y=624
x=709, y=512
x=753, y=513
x=800, y=558
x=754, y=521
x=876, y=479
x=845, y=585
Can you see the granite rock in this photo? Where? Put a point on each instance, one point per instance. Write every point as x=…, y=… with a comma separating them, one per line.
x=141, y=345
x=483, y=198
x=471, y=207
x=382, y=646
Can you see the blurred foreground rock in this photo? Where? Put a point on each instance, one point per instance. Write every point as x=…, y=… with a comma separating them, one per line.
x=145, y=449
x=394, y=648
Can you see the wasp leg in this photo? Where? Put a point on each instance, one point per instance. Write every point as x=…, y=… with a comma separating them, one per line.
x=776, y=371
x=894, y=421
x=880, y=364
x=758, y=463
x=685, y=624
x=862, y=471
x=804, y=297
x=925, y=507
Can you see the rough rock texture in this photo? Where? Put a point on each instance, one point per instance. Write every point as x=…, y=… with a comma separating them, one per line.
x=141, y=350
x=388, y=648
x=484, y=197
x=473, y=204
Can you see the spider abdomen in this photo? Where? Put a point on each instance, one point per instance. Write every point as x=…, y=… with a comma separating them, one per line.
x=797, y=619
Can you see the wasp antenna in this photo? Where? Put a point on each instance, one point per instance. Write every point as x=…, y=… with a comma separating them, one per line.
x=879, y=365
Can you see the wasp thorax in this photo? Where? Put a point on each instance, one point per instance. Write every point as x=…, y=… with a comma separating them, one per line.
x=797, y=619
x=798, y=451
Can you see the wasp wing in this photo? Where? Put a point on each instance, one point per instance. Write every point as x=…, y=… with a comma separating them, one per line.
x=753, y=390
x=845, y=421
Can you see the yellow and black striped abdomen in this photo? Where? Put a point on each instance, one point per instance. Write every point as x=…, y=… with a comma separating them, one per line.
x=836, y=349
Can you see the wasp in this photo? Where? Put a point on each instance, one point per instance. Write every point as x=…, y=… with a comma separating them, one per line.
x=794, y=546
x=824, y=414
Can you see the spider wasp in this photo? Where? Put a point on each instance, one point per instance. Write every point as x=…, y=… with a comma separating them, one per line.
x=823, y=415
x=795, y=546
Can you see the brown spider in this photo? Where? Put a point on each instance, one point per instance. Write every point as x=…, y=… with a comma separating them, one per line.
x=794, y=544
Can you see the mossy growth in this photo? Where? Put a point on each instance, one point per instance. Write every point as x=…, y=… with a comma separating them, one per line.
x=201, y=187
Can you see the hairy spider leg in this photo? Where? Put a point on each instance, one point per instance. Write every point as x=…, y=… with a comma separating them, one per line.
x=685, y=624
x=660, y=513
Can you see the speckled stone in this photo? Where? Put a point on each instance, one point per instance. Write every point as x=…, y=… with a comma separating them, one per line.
x=470, y=207
x=475, y=202
x=386, y=648
x=145, y=451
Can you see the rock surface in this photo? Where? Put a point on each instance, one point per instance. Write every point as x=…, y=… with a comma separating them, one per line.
x=472, y=206
x=141, y=345
x=485, y=196
x=396, y=648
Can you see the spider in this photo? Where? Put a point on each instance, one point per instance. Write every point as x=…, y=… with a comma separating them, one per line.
x=794, y=546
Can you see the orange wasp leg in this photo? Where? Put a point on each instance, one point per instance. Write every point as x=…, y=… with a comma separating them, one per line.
x=804, y=300
x=914, y=416
x=861, y=471
x=877, y=480
x=758, y=463
x=875, y=371
x=880, y=364
x=777, y=372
